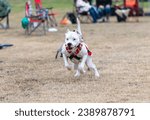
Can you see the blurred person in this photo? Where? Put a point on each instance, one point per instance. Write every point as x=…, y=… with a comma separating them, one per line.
x=122, y=14
x=30, y=7
x=105, y=6
x=84, y=6
x=103, y=2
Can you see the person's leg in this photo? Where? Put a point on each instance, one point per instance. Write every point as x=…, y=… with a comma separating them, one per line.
x=93, y=14
x=107, y=11
x=100, y=12
x=121, y=17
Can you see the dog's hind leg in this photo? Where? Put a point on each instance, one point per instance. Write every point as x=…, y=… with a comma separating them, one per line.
x=75, y=66
x=92, y=66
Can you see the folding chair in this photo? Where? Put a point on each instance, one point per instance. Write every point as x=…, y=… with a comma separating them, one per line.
x=133, y=5
x=4, y=14
x=84, y=17
x=35, y=21
x=7, y=21
x=50, y=15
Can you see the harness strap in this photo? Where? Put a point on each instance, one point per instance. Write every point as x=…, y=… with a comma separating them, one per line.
x=89, y=52
x=79, y=47
x=74, y=55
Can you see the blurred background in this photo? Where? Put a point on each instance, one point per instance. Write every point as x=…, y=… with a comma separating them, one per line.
x=64, y=5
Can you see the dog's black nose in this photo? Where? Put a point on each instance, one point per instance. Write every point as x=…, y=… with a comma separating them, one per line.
x=69, y=44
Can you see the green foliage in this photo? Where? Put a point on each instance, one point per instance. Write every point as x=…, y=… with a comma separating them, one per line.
x=4, y=8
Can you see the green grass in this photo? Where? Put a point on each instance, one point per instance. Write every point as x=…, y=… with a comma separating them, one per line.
x=19, y=5
x=145, y=4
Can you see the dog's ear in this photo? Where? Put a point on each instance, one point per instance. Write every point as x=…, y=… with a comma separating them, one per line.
x=80, y=35
x=76, y=32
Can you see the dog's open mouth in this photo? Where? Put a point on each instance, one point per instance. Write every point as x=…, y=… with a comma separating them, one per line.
x=70, y=47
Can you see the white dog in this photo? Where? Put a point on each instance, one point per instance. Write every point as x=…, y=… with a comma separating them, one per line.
x=77, y=51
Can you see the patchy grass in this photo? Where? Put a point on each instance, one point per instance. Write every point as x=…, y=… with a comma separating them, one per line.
x=18, y=5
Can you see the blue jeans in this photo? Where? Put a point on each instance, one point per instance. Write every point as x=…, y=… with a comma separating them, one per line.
x=94, y=14
x=107, y=11
x=100, y=12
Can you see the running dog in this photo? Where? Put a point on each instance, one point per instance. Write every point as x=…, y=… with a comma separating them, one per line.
x=77, y=51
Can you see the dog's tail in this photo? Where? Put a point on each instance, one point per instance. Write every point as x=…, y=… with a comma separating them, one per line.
x=78, y=26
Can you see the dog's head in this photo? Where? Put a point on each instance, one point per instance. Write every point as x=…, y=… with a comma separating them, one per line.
x=73, y=38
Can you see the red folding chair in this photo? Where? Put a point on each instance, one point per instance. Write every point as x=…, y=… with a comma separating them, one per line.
x=35, y=21
x=50, y=15
x=38, y=4
x=133, y=5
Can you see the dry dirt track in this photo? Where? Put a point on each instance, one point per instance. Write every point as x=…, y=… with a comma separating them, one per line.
x=121, y=51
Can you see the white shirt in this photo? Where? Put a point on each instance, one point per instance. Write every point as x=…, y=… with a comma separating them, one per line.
x=83, y=6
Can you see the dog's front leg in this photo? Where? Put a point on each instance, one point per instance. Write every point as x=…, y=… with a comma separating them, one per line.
x=77, y=71
x=81, y=65
x=66, y=62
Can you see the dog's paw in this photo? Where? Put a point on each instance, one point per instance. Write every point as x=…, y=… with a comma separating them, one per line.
x=97, y=75
x=69, y=67
x=83, y=71
x=77, y=74
x=81, y=67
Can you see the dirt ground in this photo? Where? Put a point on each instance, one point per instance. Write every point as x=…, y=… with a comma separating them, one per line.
x=121, y=52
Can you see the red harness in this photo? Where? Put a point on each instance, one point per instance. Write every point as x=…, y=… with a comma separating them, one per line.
x=75, y=54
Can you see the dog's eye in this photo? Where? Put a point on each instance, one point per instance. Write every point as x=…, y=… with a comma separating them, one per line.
x=74, y=39
x=67, y=39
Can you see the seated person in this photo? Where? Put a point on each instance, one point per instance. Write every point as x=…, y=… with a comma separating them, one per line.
x=122, y=14
x=105, y=6
x=84, y=6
